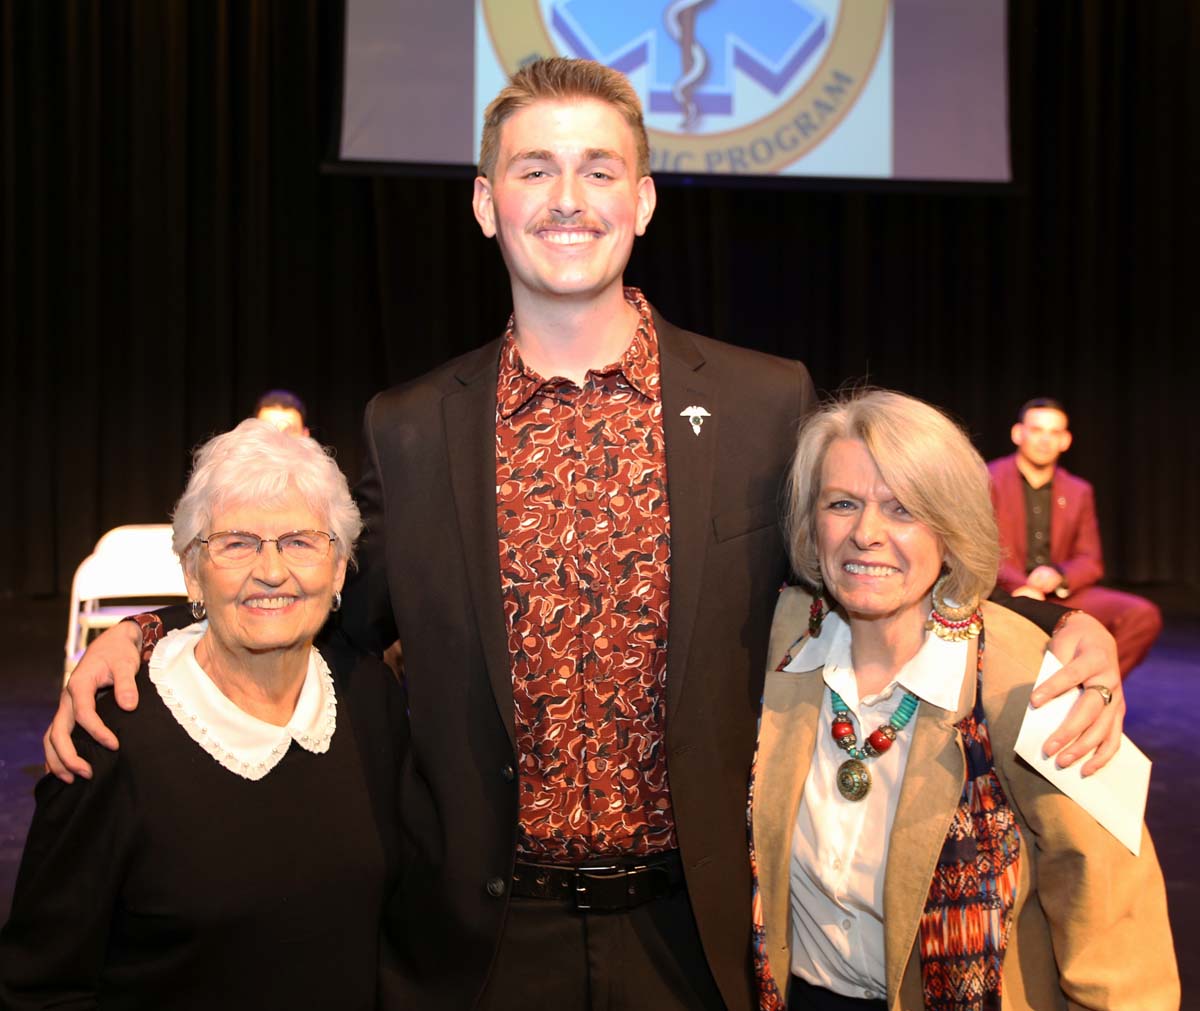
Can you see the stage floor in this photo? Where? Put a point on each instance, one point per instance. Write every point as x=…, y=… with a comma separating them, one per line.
x=1163, y=694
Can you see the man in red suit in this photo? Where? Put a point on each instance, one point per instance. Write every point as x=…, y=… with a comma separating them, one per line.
x=1049, y=538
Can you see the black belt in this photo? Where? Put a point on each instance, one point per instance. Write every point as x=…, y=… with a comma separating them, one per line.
x=606, y=887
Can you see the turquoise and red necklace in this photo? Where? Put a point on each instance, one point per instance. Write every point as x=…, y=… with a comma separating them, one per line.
x=853, y=779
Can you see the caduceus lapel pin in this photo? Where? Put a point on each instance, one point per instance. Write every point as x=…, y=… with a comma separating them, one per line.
x=695, y=415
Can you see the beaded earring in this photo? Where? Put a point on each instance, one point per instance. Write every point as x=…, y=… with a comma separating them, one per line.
x=816, y=612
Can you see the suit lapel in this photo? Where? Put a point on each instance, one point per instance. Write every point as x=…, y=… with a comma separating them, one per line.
x=787, y=730
x=791, y=711
x=470, y=419
x=929, y=796
x=1060, y=505
x=690, y=461
x=1014, y=513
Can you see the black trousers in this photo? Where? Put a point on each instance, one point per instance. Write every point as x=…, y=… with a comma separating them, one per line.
x=554, y=956
x=803, y=996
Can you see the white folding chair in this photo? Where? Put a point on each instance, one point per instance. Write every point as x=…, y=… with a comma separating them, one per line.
x=134, y=561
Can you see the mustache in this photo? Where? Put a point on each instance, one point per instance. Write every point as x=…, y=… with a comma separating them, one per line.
x=560, y=221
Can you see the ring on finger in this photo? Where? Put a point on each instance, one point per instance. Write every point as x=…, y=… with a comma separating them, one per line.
x=1105, y=693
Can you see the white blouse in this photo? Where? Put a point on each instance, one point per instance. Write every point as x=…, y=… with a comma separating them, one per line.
x=241, y=743
x=839, y=846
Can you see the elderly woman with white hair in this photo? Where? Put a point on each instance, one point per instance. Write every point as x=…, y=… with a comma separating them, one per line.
x=237, y=850
x=904, y=857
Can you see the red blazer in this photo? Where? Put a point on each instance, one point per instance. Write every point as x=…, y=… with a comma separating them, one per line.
x=1074, y=533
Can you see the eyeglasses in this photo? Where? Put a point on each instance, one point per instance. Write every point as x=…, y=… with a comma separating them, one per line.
x=230, y=549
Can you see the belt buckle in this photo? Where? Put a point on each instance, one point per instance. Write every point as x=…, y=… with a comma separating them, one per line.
x=582, y=896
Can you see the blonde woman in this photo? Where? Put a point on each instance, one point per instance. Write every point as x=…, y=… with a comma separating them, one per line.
x=905, y=858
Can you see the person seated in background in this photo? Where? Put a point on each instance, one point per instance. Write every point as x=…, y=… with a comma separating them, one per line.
x=284, y=410
x=1049, y=537
x=904, y=856
x=237, y=851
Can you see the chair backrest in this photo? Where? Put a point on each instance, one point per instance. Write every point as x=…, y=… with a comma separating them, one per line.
x=131, y=561
x=128, y=561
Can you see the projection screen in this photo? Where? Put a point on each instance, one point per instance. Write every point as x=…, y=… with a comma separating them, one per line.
x=854, y=89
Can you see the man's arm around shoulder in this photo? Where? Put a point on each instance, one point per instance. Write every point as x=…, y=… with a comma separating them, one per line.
x=112, y=660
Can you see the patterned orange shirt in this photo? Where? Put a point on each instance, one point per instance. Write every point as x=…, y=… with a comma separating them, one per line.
x=581, y=506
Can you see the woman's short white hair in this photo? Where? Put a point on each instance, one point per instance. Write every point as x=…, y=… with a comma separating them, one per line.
x=256, y=464
x=928, y=463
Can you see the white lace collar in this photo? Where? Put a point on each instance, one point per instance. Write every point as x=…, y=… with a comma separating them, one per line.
x=242, y=743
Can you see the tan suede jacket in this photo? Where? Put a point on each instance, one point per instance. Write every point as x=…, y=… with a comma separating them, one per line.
x=1090, y=922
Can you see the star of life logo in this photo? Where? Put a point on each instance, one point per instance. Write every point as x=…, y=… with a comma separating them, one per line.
x=727, y=85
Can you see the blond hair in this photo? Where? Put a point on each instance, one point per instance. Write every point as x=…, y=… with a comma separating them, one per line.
x=930, y=466
x=557, y=79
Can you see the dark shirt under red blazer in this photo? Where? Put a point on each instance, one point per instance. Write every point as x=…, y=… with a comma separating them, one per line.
x=1075, y=548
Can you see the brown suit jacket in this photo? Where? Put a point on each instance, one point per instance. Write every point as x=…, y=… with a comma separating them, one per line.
x=1090, y=923
x=1074, y=532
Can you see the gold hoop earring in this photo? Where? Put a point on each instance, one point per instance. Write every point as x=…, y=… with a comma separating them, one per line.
x=954, y=623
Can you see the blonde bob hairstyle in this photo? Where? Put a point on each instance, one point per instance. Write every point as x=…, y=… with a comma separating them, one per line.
x=930, y=466
x=257, y=465
x=557, y=79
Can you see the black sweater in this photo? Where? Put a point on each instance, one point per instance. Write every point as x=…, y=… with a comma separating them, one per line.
x=169, y=882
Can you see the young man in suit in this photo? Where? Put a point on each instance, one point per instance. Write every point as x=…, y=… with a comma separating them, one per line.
x=1050, y=537
x=573, y=530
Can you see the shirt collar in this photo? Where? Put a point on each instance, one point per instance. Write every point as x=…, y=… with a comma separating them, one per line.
x=242, y=743
x=934, y=674
x=518, y=383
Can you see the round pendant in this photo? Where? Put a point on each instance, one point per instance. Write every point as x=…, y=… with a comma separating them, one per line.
x=853, y=779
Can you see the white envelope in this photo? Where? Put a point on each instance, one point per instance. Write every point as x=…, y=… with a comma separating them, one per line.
x=1116, y=795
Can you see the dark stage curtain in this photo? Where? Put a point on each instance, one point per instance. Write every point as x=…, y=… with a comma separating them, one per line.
x=170, y=248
